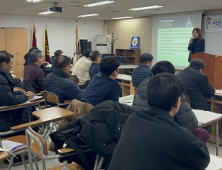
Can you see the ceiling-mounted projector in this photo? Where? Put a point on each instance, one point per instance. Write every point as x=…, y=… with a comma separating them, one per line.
x=55, y=9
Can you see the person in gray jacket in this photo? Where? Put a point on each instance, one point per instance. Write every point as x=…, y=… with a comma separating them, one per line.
x=185, y=116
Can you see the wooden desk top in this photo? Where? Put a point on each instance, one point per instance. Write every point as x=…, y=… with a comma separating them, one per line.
x=3, y=155
x=124, y=77
x=26, y=104
x=127, y=66
x=45, y=116
x=19, y=89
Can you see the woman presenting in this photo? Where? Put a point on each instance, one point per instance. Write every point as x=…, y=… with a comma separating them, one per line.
x=196, y=44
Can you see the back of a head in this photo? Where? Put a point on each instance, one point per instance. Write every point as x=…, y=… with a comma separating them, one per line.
x=35, y=54
x=58, y=53
x=62, y=61
x=108, y=66
x=146, y=57
x=164, y=90
x=86, y=53
x=163, y=67
x=5, y=57
x=94, y=55
x=33, y=48
x=197, y=64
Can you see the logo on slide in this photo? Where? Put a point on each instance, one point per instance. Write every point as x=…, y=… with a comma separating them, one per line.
x=135, y=43
x=208, y=21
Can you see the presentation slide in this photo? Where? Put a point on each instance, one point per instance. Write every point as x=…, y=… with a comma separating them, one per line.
x=172, y=34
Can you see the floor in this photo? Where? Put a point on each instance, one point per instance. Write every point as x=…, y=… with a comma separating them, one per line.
x=55, y=162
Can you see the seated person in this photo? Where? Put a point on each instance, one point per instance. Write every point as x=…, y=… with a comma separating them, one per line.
x=103, y=86
x=185, y=116
x=81, y=69
x=8, y=96
x=197, y=85
x=56, y=54
x=95, y=67
x=143, y=70
x=27, y=56
x=59, y=81
x=33, y=74
x=151, y=139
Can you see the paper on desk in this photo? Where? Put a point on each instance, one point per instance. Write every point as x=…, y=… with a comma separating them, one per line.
x=11, y=146
x=35, y=98
x=215, y=163
x=206, y=116
x=3, y=150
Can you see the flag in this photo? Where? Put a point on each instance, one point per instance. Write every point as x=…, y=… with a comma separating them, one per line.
x=78, y=49
x=34, y=37
x=46, y=52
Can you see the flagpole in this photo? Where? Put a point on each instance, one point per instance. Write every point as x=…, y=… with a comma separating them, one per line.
x=44, y=42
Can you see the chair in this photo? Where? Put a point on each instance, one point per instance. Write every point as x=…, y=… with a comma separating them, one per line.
x=74, y=78
x=53, y=99
x=188, y=99
x=37, y=146
x=20, y=151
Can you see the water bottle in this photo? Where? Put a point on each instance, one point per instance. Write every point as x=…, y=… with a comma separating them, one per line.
x=65, y=166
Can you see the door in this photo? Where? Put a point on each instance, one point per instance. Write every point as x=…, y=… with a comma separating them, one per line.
x=16, y=42
x=2, y=39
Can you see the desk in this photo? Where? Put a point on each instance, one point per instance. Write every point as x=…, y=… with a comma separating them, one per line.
x=127, y=66
x=128, y=100
x=22, y=105
x=3, y=155
x=215, y=163
x=45, y=116
x=216, y=106
x=206, y=118
x=126, y=84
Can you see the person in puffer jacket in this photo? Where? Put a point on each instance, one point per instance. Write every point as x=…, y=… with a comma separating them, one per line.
x=185, y=116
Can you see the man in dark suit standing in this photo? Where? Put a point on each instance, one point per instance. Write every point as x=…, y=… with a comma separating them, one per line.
x=197, y=84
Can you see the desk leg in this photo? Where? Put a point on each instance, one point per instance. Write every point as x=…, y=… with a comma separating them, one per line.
x=217, y=139
x=29, y=114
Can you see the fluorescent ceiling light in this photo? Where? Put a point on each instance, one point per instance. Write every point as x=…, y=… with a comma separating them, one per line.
x=98, y=3
x=33, y=1
x=46, y=12
x=148, y=7
x=88, y=15
x=122, y=17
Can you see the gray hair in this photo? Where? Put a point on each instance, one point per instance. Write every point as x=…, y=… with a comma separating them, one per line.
x=35, y=55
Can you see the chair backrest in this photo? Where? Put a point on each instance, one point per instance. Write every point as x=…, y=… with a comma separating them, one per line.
x=75, y=79
x=51, y=97
x=188, y=99
x=36, y=142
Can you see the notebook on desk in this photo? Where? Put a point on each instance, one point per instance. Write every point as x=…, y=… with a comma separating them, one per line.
x=35, y=98
x=11, y=146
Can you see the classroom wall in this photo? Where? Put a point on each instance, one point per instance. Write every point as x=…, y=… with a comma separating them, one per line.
x=124, y=30
x=61, y=31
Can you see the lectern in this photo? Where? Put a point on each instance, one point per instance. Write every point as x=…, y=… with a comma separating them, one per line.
x=213, y=68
